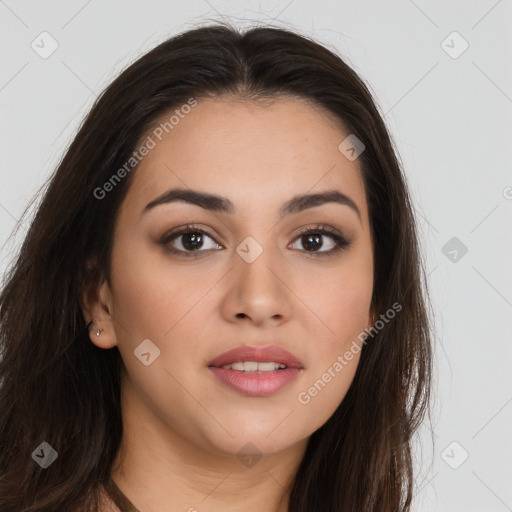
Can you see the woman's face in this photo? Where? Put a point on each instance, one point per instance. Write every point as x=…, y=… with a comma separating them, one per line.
x=248, y=280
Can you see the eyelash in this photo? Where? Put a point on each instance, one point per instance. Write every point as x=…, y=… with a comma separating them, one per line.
x=340, y=241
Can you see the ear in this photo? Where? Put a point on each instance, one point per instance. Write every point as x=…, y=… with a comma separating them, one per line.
x=97, y=307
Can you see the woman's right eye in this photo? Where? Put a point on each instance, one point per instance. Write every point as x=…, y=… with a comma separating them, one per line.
x=189, y=241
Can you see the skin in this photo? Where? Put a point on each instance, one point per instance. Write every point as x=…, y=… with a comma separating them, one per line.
x=182, y=426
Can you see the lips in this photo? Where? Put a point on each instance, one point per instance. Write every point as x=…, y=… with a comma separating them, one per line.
x=257, y=354
x=256, y=383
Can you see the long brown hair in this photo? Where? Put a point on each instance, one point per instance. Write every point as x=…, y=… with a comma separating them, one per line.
x=57, y=386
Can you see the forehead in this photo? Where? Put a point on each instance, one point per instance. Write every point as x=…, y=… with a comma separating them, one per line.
x=248, y=150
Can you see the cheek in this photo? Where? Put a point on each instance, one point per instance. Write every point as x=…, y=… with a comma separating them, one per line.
x=339, y=299
x=346, y=307
x=166, y=304
x=343, y=306
x=151, y=295
x=162, y=304
x=341, y=302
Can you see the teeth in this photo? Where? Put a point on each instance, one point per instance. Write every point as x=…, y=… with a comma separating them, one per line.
x=252, y=366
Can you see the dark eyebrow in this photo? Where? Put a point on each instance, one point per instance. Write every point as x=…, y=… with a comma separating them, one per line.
x=224, y=205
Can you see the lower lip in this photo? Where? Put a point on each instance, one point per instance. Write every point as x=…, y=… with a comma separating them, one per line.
x=256, y=384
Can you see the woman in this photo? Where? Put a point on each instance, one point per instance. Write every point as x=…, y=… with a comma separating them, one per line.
x=219, y=303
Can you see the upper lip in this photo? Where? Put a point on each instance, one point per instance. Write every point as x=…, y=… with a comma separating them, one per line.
x=257, y=354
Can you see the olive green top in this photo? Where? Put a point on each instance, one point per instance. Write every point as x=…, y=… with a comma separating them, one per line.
x=121, y=501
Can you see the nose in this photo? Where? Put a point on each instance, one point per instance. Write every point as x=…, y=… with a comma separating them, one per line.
x=259, y=292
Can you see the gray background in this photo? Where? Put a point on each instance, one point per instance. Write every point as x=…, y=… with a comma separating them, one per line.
x=449, y=115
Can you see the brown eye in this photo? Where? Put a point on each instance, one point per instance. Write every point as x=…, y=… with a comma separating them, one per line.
x=189, y=241
x=313, y=241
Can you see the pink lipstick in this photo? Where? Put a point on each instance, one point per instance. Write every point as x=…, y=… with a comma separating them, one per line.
x=256, y=371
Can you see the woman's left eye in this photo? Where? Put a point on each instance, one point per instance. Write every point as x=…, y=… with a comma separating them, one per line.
x=311, y=239
x=190, y=241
